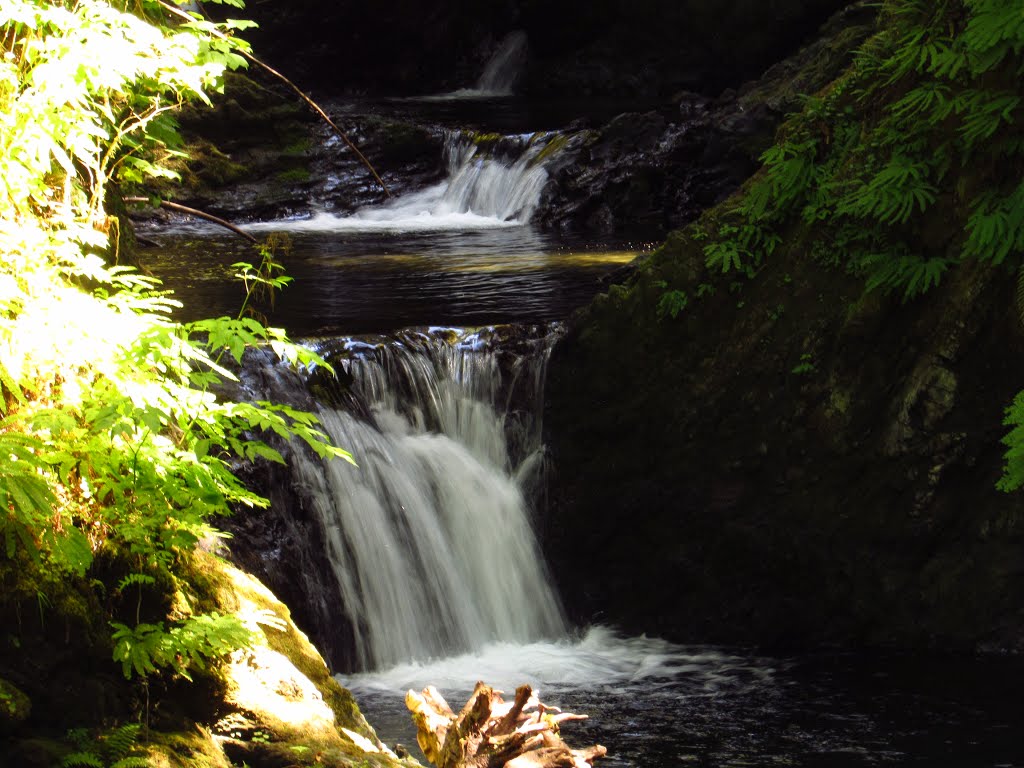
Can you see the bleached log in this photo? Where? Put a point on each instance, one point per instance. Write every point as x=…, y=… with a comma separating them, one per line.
x=508, y=722
x=489, y=732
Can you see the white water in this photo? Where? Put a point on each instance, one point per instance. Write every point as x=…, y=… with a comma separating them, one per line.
x=600, y=657
x=500, y=75
x=503, y=70
x=429, y=537
x=649, y=701
x=480, y=192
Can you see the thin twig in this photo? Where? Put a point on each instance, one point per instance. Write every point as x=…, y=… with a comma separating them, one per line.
x=302, y=94
x=198, y=214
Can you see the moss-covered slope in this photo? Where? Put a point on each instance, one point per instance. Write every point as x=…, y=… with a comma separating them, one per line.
x=785, y=428
x=271, y=703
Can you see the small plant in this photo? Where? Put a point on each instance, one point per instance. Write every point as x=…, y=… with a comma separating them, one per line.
x=705, y=289
x=671, y=302
x=806, y=365
x=112, y=749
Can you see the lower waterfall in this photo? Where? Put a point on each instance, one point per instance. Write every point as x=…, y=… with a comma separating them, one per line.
x=429, y=538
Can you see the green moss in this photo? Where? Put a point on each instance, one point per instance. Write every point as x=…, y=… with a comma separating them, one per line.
x=15, y=706
x=212, y=578
x=484, y=140
x=294, y=176
x=555, y=145
x=300, y=146
x=189, y=749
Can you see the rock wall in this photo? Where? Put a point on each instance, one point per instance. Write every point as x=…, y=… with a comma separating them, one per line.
x=643, y=174
x=793, y=463
x=594, y=48
x=793, y=460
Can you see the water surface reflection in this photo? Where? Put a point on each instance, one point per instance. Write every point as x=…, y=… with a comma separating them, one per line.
x=358, y=281
x=656, y=705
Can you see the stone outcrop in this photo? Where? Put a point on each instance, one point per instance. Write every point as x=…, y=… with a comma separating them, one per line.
x=597, y=48
x=792, y=461
x=273, y=703
x=643, y=174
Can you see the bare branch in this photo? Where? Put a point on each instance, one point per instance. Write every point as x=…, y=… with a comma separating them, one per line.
x=166, y=204
x=302, y=94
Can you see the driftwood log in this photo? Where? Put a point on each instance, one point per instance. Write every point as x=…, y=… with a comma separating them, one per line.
x=492, y=733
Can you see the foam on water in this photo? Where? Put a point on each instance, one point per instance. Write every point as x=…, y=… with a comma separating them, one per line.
x=600, y=658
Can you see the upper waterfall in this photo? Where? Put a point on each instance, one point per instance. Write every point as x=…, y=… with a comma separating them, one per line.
x=505, y=66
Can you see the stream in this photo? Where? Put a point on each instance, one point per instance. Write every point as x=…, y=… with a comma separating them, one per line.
x=444, y=422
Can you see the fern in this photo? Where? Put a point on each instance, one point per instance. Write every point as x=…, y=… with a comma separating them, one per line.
x=995, y=30
x=892, y=195
x=671, y=304
x=108, y=750
x=985, y=112
x=911, y=273
x=146, y=648
x=995, y=228
x=1013, y=470
x=140, y=649
x=135, y=579
x=929, y=101
x=83, y=760
x=120, y=741
x=789, y=170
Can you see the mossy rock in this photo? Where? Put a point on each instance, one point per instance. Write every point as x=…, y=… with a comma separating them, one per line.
x=281, y=700
x=15, y=706
x=190, y=749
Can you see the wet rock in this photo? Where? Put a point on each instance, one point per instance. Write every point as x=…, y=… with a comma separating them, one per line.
x=654, y=171
x=262, y=154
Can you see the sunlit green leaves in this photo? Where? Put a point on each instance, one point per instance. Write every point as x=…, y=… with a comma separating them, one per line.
x=112, y=438
x=145, y=648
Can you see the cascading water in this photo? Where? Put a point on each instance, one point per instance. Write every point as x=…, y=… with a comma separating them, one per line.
x=503, y=69
x=429, y=538
x=483, y=190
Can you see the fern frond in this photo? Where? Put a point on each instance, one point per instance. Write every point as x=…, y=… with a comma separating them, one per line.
x=1020, y=293
x=82, y=760
x=907, y=272
x=141, y=579
x=133, y=762
x=893, y=194
x=1013, y=469
x=122, y=740
x=995, y=228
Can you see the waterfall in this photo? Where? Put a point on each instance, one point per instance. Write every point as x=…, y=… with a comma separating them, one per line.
x=489, y=185
x=492, y=182
x=503, y=69
x=430, y=539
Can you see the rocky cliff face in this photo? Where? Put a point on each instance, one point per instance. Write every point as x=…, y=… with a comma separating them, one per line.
x=795, y=463
x=643, y=174
x=791, y=459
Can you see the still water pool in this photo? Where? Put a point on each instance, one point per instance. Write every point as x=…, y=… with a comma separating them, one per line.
x=658, y=705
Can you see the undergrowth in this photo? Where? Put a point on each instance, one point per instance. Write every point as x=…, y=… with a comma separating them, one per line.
x=908, y=165
x=114, y=446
